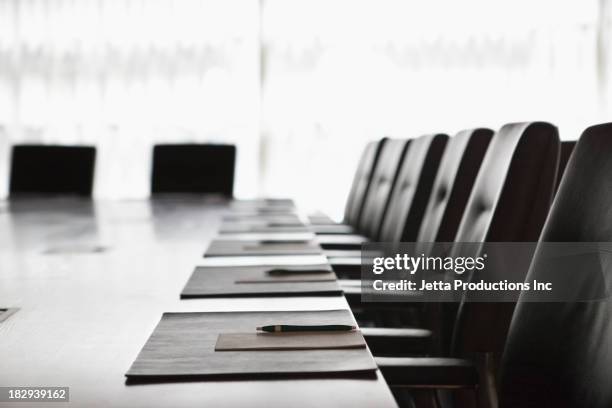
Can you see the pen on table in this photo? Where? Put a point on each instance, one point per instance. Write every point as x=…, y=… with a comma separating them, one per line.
x=285, y=328
x=280, y=271
x=283, y=242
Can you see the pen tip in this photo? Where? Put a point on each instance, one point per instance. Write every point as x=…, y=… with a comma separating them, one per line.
x=258, y=328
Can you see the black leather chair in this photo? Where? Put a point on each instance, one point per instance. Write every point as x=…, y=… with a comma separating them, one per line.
x=567, y=147
x=450, y=193
x=451, y=189
x=356, y=199
x=377, y=199
x=509, y=203
x=413, y=182
x=408, y=199
x=381, y=187
x=193, y=168
x=453, y=185
x=44, y=169
x=525, y=157
x=558, y=354
x=413, y=188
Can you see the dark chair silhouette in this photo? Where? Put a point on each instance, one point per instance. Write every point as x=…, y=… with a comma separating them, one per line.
x=356, y=199
x=381, y=187
x=193, y=168
x=376, y=201
x=412, y=189
x=526, y=157
x=361, y=182
x=504, y=182
x=407, y=201
x=567, y=147
x=509, y=203
x=452, y=187
x=558, y=354
x=44, y=169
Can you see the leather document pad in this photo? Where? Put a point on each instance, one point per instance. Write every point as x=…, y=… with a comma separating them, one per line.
x=262, y=280
x=302, y=278
x=244, y=227
x=182, y=347
x=289, y=341
x=258, y=247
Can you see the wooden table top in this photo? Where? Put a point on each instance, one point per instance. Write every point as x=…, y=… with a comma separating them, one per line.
x=91, y=281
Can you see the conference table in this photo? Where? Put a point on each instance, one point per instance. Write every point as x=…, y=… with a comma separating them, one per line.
x=90, y=281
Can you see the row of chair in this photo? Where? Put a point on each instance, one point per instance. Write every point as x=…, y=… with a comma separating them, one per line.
x=183, y=168
x=485, y=187
x=481, y=186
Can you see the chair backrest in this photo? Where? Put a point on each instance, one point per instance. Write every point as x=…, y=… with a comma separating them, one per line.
x=193, y=168
x=453, y=184
x=381, y=186
x=509, y=203
x=559, y=354
x=361, y=182
x=513, y=184
x=44, y=169
x=567, y=147
x=412, y=188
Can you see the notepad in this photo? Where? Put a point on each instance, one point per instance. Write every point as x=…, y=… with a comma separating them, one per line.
x=289, y=341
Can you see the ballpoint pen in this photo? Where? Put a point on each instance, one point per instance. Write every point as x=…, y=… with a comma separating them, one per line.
x=286, y=328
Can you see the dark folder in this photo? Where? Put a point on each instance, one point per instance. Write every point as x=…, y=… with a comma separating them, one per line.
x=290, y=219
x=290, y=341
x=266, y=202
x=261, y=227
x=237, y=281
x=222, y=247
x=182, y=347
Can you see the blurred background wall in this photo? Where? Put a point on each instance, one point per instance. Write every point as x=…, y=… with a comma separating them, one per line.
x=298, y=85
